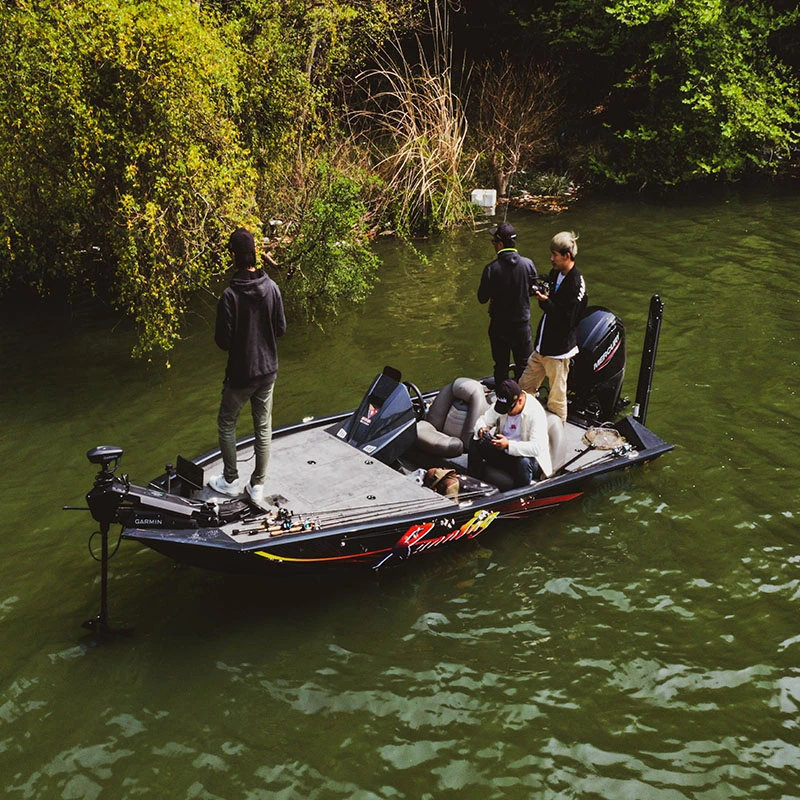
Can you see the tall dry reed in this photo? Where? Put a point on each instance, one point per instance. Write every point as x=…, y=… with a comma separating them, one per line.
x=417, y=127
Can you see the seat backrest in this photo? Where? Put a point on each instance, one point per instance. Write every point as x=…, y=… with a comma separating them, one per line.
x=456, y=408
x=557, y=437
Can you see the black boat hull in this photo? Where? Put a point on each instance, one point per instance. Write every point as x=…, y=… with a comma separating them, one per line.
x=370, y=544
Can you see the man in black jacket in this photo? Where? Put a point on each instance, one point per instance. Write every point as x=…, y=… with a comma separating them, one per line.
x=556, y=337
x=507, y=284
x=250, y=318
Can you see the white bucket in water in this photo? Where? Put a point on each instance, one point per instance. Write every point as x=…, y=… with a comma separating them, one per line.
x=486, y=199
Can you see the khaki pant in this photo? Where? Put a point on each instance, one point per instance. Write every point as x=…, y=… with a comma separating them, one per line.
x=555, y=370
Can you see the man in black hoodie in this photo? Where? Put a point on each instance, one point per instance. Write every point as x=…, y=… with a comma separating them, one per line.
x=507, y=284
x=250, y=318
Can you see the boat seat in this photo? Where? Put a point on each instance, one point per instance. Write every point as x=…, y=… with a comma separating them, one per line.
x=556, y=438
x=449, y=422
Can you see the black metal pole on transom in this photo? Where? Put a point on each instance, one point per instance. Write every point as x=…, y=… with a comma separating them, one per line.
x=649, y=350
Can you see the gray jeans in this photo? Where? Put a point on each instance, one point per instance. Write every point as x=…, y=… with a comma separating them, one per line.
x=233, y=401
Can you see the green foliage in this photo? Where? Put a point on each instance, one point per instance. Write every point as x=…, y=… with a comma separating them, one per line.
x=135, y=134
x=121, y=168
x=683, y=89
x=295, y=55
x=330, y=260
x=548, y=183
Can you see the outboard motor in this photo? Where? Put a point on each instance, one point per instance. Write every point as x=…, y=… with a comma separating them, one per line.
x=596, y=375
x=384, y=425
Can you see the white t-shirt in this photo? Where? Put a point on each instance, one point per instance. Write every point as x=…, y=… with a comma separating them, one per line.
x=512, y=430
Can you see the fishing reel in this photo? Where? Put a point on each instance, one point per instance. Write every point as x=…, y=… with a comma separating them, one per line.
x=541, y=285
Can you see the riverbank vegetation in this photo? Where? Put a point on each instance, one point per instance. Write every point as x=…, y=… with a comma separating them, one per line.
x=135, y=134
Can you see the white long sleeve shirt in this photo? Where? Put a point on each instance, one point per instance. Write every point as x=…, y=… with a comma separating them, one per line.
x=533, y=438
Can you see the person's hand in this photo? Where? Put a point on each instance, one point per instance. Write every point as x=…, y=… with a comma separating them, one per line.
x=499, y=441
x=539, y=296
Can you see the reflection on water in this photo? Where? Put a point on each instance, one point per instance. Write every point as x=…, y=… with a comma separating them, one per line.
x=640, y=642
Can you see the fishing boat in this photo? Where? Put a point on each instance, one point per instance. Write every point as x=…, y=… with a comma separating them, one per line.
x=373, y=487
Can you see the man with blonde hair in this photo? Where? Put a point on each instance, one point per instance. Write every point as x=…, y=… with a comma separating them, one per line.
x=555, y=342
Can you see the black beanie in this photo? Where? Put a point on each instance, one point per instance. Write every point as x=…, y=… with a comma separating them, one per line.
x=243, y=245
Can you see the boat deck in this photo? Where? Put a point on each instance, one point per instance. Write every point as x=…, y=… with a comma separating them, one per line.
x=313, y=473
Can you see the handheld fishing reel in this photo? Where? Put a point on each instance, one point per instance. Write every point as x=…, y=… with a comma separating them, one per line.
x=541, y=285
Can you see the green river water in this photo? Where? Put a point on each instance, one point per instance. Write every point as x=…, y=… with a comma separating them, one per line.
x=640, y=643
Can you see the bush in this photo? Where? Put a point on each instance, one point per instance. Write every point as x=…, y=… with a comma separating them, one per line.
x=329, y=261
x=130, y=171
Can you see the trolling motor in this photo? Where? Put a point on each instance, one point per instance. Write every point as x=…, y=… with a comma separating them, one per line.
x=115, y=499
x=104, y=501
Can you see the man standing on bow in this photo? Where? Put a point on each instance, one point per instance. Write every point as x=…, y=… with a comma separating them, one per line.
x=507, y=284
x=556, y=337
x=250, y=318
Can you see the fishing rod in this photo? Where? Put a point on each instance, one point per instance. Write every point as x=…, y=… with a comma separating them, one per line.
x=285, y=521
x=508, y=194
x=421, y=503
x=615, y=452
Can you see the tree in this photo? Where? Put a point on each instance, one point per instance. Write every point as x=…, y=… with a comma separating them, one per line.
x=121, y=167
x=329, y=259
x=135, y=134
x=517, y=112
x=682, y=89
x=296, y=54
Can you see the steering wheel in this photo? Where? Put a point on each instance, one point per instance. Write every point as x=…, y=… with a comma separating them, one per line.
x=417, y=400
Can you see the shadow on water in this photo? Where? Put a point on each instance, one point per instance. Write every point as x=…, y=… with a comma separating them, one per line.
x=154, y=598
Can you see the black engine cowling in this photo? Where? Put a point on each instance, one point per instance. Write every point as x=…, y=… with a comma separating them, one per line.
x=597, y=372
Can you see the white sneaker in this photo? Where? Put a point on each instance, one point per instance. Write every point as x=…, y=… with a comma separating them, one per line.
x=256, y=492
x=221, y=486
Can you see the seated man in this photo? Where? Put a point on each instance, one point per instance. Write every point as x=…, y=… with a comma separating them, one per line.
x=512, y=436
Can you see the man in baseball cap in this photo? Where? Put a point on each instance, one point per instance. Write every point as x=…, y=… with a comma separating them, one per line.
x=506, y=285
x=512, y=436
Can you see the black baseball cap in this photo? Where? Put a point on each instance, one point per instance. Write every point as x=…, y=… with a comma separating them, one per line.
x=505, y=232
x=507, y=394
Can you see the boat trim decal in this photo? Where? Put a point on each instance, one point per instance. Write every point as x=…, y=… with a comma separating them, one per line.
x=351, y=557
x=524, y=506
x=413, y=541
x=410, y=543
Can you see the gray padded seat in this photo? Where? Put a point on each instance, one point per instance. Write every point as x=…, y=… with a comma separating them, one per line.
x=447, y=428
x=556, y=438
